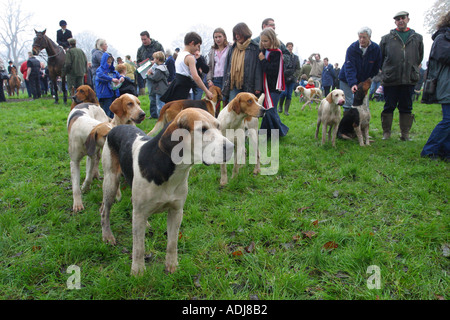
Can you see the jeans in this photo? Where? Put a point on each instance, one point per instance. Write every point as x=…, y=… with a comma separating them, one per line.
x=438, y=143
x=152, y=98
x=105, y=103
x=287, y=93
x=218, y=82
x=398, y=97
x=348, y=95
x=159, y=103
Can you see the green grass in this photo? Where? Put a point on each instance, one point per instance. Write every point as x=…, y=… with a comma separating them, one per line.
x=382, y=205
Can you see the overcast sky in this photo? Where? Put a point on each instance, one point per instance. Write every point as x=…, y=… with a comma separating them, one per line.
x=326, y=26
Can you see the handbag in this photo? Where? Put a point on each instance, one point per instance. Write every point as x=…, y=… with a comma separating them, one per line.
x=429, y=86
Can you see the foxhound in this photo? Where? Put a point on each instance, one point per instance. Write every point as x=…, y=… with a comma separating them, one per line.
x=84, y=94
x=87, y=126
x=356, y=120
x=311, y=95
x=329, y=115
x=172, y=108
x=158, y=179
x=242, y=112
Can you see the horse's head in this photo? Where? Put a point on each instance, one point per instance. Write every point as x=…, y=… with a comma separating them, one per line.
x=40, y=41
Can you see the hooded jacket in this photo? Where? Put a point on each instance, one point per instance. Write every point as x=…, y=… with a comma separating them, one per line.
x=358, y=67
x=159, y=79
x=104, y=75
x=146, y=52
x=400, y=60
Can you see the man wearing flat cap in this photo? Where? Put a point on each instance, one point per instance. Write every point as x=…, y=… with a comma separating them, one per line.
x=402, y=53
x=75, y=66
x=63, y=35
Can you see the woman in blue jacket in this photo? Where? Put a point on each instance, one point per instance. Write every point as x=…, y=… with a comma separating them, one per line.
x=106, y=76
x=362, y=61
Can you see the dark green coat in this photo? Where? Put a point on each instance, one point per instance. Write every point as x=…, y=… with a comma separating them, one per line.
x=400, y=61
x=76, y=63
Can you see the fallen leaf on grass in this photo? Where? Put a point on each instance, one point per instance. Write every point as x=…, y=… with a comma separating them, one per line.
x=237, y=253
x=330, y=245
x=250, y=248
x=308, y=234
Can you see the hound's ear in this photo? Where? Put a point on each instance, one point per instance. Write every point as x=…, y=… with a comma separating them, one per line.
x=117, y=107
x=329, y=98
x=165, y=143
x=236, y=105
x=92, y=97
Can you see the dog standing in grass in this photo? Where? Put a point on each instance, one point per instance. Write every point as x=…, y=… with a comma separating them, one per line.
x=329, y=115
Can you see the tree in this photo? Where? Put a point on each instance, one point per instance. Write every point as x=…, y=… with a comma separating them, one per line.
x=206, y=32
x=434, y=14
x=86, y=42
x=13, y=29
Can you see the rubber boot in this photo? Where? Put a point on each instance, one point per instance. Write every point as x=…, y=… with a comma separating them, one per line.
x=406, y=121
x=386, y=124
x=286, y=106
x=280, y=105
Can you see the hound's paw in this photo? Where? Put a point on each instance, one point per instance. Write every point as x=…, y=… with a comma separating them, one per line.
x=77, y=208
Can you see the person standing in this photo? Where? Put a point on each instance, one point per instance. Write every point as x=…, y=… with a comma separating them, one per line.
x=217, y=57
x=362, y=61
x=2, y=71
x=242, y=71
x=33, y=76
x=327, y=77
x=438, y=144
x=316, y=66
x=291, y=74
x=63, y=35
x=146, y=51
x=271, y=59
x=402, y=52
x=101, y=46
x=75, y=66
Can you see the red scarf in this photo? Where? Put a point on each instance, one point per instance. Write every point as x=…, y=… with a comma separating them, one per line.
x=280, y=86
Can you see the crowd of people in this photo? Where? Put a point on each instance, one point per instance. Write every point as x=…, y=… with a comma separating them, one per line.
x=264, y=64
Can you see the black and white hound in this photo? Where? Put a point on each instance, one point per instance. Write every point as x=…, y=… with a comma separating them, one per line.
x=159, y=182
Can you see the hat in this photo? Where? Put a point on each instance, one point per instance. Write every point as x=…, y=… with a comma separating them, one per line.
x=72, y=41
x=401, y=13
x=62, y=23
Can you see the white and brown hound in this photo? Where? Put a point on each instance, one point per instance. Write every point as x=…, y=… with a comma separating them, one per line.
x=87, y=126
x=170, y=110
x=242, y=112
x=158, y=182
x=311, y=95
x=329, y=115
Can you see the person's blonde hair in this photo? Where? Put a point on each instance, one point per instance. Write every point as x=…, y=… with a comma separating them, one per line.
x=159, y=55
x=121, y=68
x=272, y=36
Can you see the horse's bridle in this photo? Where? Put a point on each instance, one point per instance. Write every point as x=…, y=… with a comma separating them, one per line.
x=40, y=48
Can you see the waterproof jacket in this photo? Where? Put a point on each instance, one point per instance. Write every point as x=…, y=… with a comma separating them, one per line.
x=146, y=52
x=328, y=75
x=103, y=79
x=357, y=67
x=159, y=79
x=400, y=61
x=75, y=63
x=253, y=76
x=439, y=66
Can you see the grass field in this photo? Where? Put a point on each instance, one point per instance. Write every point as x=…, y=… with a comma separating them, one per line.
x=311, y=231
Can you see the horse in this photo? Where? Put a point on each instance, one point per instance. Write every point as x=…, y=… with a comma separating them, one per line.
x=56, y=59
x=14, y=83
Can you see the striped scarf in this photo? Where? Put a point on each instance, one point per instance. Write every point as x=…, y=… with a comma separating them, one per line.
x=280, y=86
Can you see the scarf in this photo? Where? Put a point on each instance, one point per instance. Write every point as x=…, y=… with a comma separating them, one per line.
x=237, y=65
x=280, y=86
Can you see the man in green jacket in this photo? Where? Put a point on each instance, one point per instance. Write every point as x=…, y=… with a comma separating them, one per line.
x=402, y=53
x=75, y=66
